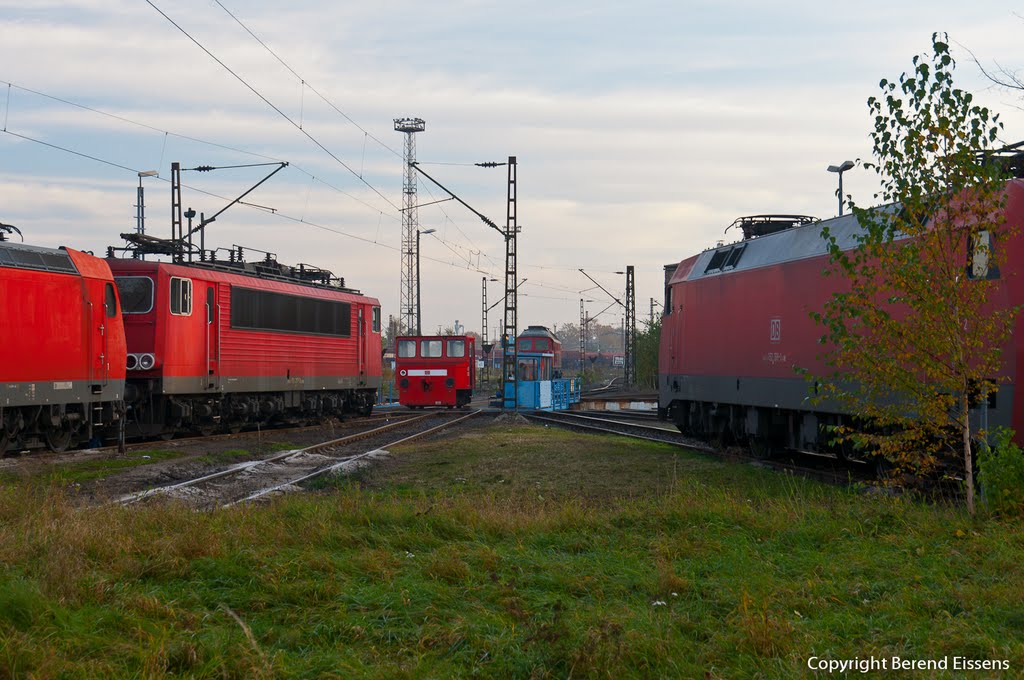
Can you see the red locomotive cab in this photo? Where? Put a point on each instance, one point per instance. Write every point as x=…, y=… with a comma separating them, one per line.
x=436, y=370
x=62, y=379
x=540, y=339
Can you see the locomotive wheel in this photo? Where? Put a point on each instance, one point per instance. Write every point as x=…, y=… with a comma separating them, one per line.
x=58, y=439
x=167, y=435
x=761, y=448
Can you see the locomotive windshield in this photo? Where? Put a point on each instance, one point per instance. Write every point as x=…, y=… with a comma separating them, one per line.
x=430, y=348
x=136, y=293
x=456, y=348
x=406, y=349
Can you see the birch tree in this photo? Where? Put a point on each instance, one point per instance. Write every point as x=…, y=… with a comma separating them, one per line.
x=916, y=337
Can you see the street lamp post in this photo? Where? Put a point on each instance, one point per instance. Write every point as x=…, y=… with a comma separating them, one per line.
x=840, y=169
x=419, y=326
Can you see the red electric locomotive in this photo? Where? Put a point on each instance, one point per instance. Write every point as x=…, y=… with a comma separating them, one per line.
x=435, y=370
x=219, y=345
x=62, y=376
x=736, y=322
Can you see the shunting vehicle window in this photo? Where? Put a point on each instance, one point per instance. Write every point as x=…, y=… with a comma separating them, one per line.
x=376, y=320
x=181, y=296
x=406, y=349
x=430, y=349
x=136, y=294
x=456, y=348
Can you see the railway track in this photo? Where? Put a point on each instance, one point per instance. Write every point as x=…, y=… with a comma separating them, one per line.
x=801, y=464
x=255, y=479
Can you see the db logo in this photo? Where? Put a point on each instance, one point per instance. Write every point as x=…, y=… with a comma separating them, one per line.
x=404, y=372
x=775, y=334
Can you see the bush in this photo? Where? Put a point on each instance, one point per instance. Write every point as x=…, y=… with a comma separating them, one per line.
x=1001, y=474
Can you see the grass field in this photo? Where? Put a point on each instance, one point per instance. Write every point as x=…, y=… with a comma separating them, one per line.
x=514, y=551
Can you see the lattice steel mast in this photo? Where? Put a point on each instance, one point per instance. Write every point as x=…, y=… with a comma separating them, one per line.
x=630, y=330
x=407, y=295
x=583, y=337
x=510, y=375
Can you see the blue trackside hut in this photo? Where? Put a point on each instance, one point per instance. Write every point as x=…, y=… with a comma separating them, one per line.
x=541, y=386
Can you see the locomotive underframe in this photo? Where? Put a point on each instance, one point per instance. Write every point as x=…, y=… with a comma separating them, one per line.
x=56, y=426
x=769, y=414
x=152, y=410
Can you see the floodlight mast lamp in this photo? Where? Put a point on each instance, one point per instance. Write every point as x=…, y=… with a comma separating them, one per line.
x=840, y=169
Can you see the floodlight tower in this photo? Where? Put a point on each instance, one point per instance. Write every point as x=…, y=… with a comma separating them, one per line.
x=407, y=294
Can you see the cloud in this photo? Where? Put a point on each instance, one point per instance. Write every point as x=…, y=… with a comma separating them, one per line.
x=641, y=130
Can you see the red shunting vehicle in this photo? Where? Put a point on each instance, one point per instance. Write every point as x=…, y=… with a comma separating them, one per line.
x=435, y=370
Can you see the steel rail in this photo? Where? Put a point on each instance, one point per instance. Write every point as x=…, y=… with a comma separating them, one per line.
x=348, y=461
x=247, y=465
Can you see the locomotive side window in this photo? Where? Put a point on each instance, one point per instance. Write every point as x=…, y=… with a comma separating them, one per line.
x=181, y=296
x=456, y=348
x=430, y=348
x=734, y=257
x=406, y=349
x=541, y=345
x=110, y=301
x=979, y=263
x=376, y=320
x=717, y=260
x=136, y=294
x=727, y=258
x=263, y=310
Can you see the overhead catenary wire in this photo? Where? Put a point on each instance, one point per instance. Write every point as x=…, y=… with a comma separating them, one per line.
x=304, y=82
x=272, y=105
x=452, y=246
x=313, y=178
x=366, y=133
x=277, y=213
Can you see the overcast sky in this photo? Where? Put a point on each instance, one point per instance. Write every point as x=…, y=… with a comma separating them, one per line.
x=642, y=129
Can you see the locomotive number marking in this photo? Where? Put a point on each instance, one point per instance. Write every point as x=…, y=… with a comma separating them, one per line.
x=62, y=385
x=427, y=371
